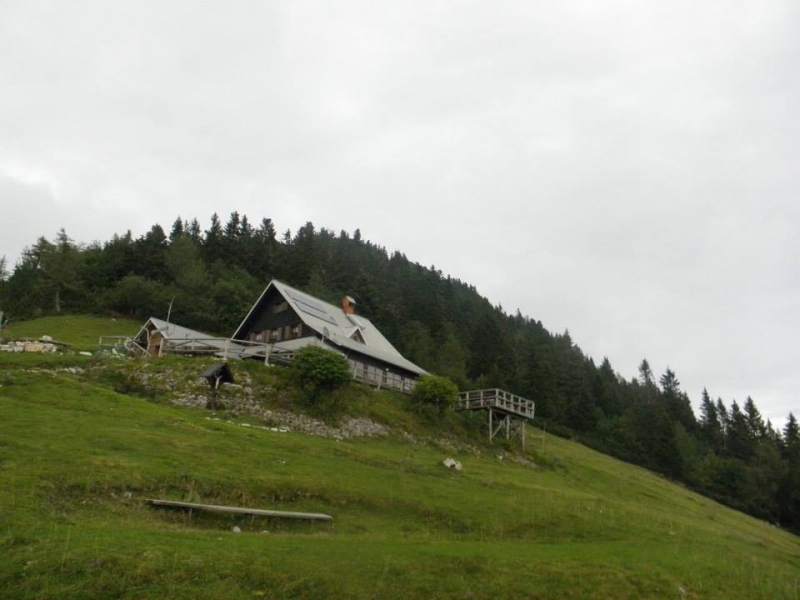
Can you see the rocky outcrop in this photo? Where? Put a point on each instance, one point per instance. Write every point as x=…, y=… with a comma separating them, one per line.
x=28, y=346
x=246, y=398
x=349, y=427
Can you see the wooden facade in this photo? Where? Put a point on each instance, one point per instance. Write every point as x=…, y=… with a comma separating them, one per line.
x=276, y=322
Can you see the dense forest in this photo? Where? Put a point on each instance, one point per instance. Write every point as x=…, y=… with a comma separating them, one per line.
x=211, y=278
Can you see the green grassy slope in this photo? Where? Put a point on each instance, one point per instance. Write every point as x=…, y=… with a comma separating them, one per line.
x=77, y=461
x=81, y=331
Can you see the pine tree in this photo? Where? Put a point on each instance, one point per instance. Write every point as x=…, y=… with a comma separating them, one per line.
x=212, y=243
x=740, y=444
x=791, y=439
x=177, y=229
x=711, y=430
x=789, y=490
x=233, y=227
x=755, y=422
x=724, y=422
x=676, y=402
x=646, y=374
x=150, y=251
x=60, y=265
x=195, y=232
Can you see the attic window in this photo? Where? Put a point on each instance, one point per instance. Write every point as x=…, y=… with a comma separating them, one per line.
x=357, y=337
x=280, y=307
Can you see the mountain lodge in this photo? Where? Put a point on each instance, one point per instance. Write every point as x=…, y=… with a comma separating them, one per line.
x=289, y=319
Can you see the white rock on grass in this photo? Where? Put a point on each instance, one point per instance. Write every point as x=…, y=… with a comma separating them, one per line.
x=452, y=464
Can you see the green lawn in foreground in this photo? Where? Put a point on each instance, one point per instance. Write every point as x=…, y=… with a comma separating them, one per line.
x=82, y=331
x=78, y=460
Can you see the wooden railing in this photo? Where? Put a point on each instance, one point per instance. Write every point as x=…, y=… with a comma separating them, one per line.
x=120, y=344
x=196, y=345
x=496, y=399
x=382, y=379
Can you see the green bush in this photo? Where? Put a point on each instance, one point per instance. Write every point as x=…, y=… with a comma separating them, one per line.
x=432, y=390
x=320, y=370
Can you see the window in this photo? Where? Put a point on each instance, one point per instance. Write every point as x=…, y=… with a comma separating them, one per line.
x=280, y=307
x=373, y=374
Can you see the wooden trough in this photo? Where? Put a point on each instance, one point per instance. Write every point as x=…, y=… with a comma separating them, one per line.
x=258, y=512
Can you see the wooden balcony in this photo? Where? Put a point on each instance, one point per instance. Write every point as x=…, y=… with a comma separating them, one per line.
x=496, y=400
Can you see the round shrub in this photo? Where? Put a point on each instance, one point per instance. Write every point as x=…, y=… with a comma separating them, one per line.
x=433, y=390
x=320, y=370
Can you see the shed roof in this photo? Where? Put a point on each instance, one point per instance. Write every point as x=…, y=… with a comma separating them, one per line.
x=176, y=333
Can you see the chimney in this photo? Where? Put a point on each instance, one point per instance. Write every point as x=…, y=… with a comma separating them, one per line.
x=348, y=305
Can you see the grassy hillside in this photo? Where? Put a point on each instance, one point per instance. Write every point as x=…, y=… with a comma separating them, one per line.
x=77, y=460
x=82, y=331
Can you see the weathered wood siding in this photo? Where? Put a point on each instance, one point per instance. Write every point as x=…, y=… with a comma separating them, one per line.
x=274, y=315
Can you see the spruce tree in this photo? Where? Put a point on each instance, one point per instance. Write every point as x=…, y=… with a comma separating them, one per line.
x=791, y=439
x=646, y=374
x=676, y=402
x=755, y=422
x=740, y=445
x=177, y=229
x=710, y=425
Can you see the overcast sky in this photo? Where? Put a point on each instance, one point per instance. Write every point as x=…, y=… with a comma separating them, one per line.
x=627, y=170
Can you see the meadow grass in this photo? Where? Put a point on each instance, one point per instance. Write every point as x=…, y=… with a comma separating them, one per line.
x=82, y=331
x=78, y=460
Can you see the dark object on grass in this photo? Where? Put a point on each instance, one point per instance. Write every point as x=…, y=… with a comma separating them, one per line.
x=216, y=375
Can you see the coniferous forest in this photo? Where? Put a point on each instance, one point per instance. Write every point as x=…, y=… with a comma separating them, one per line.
x=212, y=276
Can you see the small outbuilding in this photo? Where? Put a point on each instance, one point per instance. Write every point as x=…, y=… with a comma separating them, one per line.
x=156, y=337
x=217, y=374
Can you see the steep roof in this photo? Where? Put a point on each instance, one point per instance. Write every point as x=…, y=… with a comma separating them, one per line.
x=336, y=327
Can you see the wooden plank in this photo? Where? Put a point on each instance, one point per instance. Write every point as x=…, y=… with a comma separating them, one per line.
x=282, y=514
